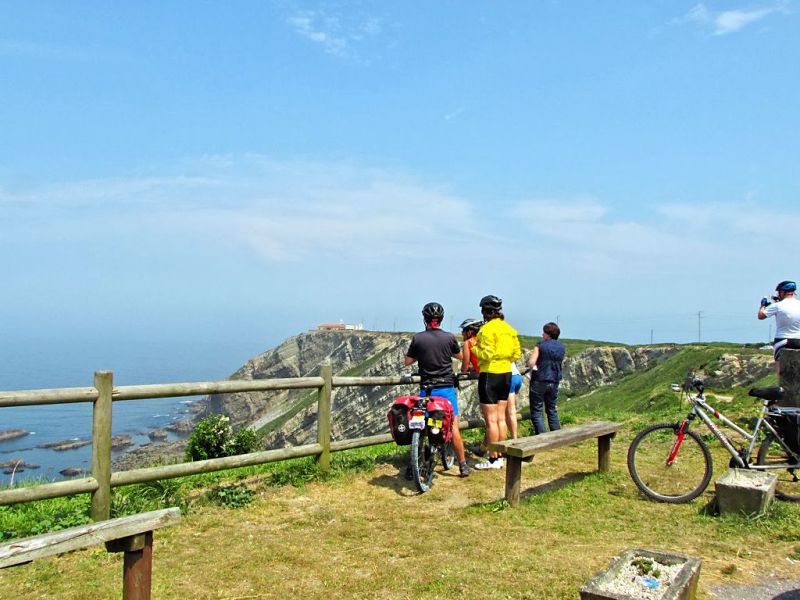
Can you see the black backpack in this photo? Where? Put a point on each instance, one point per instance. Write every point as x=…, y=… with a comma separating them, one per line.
x=788, y=425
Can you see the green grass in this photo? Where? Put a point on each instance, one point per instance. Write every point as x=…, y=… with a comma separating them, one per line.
x=647, y=393
x=307, y=399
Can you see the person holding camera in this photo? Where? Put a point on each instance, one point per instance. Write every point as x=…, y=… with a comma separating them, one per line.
x=785, y=307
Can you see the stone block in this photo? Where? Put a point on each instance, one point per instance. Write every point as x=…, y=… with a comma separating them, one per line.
x=674, y=575
x=790, y=377
x=745, y=491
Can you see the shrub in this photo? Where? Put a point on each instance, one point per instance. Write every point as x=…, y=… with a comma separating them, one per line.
x=244, y=441
x=213, y=437
x=237, y=495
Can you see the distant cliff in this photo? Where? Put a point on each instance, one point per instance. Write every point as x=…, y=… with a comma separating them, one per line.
x=361, y=411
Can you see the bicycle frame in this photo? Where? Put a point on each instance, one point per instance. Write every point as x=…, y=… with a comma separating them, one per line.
x=701, y=408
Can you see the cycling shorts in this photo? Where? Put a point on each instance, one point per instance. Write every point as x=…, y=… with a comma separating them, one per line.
x=780, y=343
x=516, y=384
x=494, y=387
x=448, y=393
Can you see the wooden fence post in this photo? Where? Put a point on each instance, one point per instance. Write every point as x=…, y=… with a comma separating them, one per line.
x=101, y=445
x=324, y=417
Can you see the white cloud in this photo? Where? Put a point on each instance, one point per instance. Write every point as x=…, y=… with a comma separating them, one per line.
x=337, y=35
x=732, y=21
x=249, y=226
x=280, y=211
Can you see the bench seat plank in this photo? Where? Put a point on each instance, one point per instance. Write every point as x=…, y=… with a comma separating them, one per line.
x=84, y=536
x=528, y=446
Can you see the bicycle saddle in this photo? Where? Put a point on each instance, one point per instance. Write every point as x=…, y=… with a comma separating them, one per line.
x=774, y=393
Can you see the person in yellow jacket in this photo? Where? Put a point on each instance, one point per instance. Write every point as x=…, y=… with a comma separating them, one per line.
x=497, y=346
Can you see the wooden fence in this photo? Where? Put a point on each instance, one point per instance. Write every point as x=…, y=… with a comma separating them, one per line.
x=104, y=394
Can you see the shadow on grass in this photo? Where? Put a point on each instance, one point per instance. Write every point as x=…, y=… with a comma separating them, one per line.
x=556, y=484
x=402, y=486
x=397, y=483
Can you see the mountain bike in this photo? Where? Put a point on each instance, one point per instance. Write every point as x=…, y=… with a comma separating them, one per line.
x=670, y=462
x=428, y=429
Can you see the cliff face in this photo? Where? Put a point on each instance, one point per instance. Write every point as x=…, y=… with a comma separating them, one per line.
x=605, y=365
x=361, y=411
x=733, y=370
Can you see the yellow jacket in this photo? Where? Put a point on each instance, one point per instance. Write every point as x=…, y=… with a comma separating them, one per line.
x=496, y=347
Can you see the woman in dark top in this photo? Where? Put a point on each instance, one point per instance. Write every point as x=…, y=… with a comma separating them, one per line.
x=545, y=360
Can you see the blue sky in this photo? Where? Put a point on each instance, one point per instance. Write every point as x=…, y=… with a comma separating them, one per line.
x=246, y=170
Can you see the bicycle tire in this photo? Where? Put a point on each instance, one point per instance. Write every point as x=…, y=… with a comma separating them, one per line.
x=423, y=459
x=448, y=455
x=682, y=481
x=771, y=453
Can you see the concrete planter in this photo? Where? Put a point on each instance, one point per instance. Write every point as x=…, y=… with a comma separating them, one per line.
x=744, y=491
x=639, y=574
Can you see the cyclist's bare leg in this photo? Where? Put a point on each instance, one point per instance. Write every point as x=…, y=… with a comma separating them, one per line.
x=458, y=442
x=492, y=428
x=511, y=415
x=502, y=424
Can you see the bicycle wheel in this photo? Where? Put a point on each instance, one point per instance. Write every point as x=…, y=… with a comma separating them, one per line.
x=683, y=480
x=772, y=453
x=422, y=461
x=448, y=454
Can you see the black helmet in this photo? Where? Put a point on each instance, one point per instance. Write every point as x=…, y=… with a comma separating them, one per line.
x=491, y=303
x=432, y=311
x=471, y=325
x=786, y=286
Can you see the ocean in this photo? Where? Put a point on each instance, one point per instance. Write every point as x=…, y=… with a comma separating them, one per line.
x=47, y=364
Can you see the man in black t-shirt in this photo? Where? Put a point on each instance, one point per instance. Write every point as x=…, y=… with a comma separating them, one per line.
x=434, y=350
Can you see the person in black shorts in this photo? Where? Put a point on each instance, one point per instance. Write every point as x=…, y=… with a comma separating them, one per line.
x=434, y=350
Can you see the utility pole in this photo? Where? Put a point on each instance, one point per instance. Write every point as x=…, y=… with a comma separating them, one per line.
x=557, y=319
x=699, y=329
x=651, y=337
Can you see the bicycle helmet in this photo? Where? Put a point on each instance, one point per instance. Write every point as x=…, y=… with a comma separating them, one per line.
x=471, y=325
x=491, y=303
x=433, y=311
x=786, y=286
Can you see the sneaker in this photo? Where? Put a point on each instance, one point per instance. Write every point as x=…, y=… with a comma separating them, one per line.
x=487, y=464
x=463, y=469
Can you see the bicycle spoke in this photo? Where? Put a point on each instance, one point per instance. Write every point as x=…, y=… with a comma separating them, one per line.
x=772, y=454
x=682, y=480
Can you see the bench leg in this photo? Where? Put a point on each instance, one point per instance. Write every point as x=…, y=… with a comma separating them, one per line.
x=137, y=571
x=604, y=452
x=513, y=476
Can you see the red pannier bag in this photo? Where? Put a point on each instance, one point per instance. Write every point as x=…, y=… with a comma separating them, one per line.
x=399, y=416
x=439, y=420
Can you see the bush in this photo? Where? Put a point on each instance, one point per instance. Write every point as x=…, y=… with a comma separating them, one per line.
x=244, y=441
x=213, y=437
x=237, y=495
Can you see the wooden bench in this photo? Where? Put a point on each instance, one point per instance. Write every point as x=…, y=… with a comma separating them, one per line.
x=132, y=535
x=522, y=449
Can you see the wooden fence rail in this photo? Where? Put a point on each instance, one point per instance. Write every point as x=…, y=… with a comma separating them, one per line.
x=104, y=394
